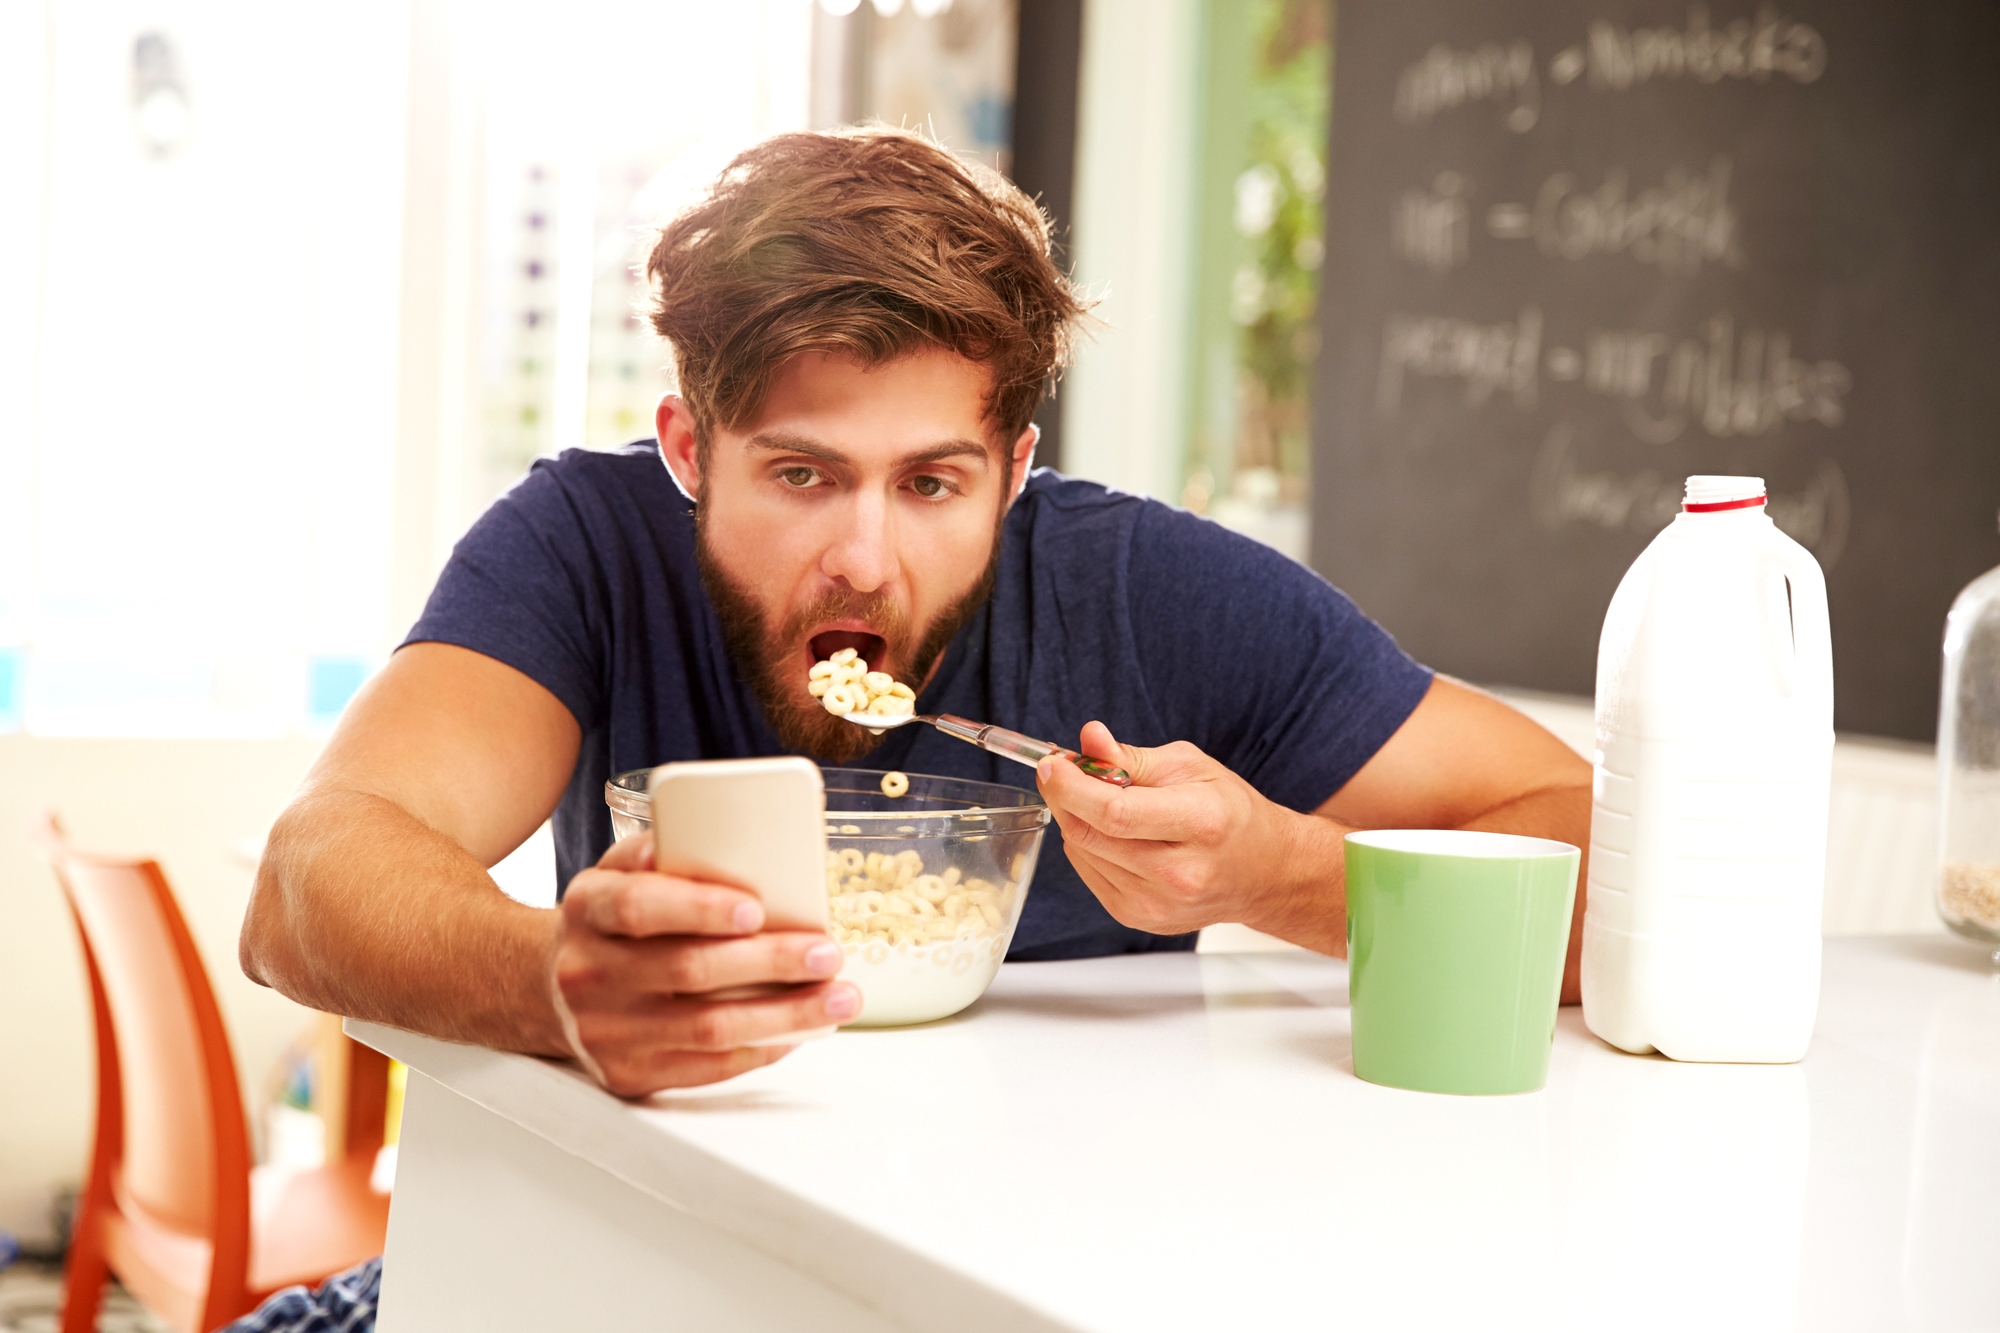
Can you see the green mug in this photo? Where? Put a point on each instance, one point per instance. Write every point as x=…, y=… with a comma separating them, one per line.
x=1455, y=944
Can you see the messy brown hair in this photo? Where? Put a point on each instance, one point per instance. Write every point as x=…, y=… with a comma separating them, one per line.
x=863, y=243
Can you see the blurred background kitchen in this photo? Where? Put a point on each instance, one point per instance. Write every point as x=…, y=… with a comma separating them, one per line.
x=289, y=293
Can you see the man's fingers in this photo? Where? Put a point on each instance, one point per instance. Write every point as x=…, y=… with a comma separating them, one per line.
x=697, y=966
x=1098, y=742
x=1156, y=766
x=638, y=905
x=1073, y=795
x=1110, y=883
x=1140, y=857
x=1185, y=811
x=1129, y=898
x=721, y=1025
x=691, y=1069
x=1143, y=867
x=1142, y=765
x=643, y=1033
x=631, y=852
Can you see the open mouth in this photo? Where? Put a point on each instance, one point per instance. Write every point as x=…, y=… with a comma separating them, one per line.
x=869, y=646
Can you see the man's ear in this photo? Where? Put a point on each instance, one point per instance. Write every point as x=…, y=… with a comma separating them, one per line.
x=673, y=425
x=1022, y=457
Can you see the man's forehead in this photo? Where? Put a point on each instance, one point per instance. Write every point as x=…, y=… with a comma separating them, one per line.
x=927, y=382
x=931, y=404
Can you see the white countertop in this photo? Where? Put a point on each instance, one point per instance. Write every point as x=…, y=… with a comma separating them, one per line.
x=1178, y=1141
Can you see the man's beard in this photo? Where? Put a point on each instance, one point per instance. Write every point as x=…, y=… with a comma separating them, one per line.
x=772, y=657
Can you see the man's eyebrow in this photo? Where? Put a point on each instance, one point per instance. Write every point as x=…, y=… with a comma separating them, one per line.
x=937, y=453
x=780, y=442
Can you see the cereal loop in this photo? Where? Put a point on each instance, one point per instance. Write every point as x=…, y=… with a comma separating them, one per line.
x=846, y=687
x=888, y=898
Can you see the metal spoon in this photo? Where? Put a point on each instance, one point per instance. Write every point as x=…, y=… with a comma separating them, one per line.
x=995, y=740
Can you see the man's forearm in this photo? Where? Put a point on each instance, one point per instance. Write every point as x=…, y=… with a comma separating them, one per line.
x=1561, y=813
x=1312, y=908
x=360, y=909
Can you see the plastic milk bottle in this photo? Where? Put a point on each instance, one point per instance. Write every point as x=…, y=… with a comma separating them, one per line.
x=1714, y=753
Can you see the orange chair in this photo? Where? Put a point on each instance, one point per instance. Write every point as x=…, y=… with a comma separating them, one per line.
x=168, y=1207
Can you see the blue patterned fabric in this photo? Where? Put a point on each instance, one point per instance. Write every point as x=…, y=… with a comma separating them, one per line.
x=344, y=1303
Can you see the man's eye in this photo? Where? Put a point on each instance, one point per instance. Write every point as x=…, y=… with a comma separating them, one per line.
x=799, y=477
x=928, y=487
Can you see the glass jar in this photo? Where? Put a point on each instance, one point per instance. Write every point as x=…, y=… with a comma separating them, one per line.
x=1968, y=891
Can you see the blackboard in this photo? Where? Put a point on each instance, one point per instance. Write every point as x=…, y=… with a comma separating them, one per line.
x=1576, y=252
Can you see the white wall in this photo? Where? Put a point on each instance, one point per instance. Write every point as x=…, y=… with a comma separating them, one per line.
x=1124, y=412
x=194, y=805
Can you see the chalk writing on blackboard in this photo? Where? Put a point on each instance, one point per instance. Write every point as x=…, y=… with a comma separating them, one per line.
x=1610, y=58
x=1729, y=383
x=1677, y=225
x=1617, y=58
x=1725, y=379
x=1562, y=493
x=1487, y=357
x=1433, y=225
x=1446, y=79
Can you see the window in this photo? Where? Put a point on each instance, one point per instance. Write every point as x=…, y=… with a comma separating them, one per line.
x=1267, y=67
x=199, y=335
x=288, y=294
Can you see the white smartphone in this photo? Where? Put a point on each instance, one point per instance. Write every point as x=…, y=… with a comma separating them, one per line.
x=755, y=824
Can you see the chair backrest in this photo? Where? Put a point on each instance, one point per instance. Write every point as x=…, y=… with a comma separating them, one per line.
x=185, y=1153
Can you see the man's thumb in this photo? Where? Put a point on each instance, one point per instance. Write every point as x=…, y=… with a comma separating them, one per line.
x=632, y=852
x=1098, y=742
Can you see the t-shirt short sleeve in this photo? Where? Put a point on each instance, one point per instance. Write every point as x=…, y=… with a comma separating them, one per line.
x=523, y=586
x=1261, y=662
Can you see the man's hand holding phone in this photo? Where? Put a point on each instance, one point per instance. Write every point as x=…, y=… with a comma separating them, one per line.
x=640, y=955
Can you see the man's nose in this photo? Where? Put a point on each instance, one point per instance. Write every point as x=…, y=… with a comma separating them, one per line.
x=861, y=555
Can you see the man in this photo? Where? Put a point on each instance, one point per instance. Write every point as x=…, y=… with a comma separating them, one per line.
x=862, y=328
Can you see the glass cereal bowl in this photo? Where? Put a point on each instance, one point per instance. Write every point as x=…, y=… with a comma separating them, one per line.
x=923, y=889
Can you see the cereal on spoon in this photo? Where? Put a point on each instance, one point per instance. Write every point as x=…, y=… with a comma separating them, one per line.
x=921, y=940
x=845, y=686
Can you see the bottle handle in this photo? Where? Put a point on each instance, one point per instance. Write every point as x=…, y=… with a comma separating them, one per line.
x=1809, y=673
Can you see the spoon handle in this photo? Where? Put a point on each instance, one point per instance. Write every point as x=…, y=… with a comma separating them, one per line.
x=1098, y=769
x=1024, y=749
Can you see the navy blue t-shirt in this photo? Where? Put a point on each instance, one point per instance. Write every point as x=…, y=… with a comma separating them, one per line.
x=1163, y=625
